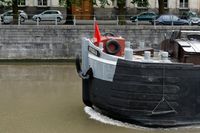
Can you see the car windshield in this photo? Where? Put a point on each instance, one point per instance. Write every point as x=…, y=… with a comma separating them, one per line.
x=50, y=12
x=143, y=14
x=151, y=14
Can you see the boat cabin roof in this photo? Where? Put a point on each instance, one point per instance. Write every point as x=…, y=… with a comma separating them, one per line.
x=192, y=46
x=183, y=46
x=188, y=40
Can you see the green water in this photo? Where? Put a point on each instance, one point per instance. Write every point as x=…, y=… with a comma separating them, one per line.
x=37, y=98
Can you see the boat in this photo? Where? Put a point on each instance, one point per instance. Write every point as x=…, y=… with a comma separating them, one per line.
x=144, y=86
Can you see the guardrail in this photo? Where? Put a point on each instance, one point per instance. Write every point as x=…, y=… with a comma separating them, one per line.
x=83, y=20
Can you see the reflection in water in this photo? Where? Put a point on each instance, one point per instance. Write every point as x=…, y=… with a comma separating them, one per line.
x=47, y=99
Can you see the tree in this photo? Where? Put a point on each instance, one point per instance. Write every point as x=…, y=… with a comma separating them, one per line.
x=69, y=17
x=15, y=11
x=121, y=4
x=161, y=7
x=68, y=6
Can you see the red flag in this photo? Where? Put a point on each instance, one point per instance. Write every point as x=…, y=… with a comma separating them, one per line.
x=97, y=33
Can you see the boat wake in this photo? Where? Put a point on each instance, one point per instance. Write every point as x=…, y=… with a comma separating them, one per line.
x=104, y=119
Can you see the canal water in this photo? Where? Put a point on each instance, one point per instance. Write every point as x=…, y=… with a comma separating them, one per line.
x=46, y=98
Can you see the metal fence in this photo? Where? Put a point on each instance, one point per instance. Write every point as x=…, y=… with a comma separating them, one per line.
x=83, y=20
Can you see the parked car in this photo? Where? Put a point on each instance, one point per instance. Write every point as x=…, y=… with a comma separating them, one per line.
x=188, y=14
x=192, y=17
x=144, y=16
x=171, y=19
x=48, y=15
x=194, y=21
x=7, y=17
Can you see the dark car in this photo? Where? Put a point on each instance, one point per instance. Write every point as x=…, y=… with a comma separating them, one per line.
x=170, y=19
x=144, y=16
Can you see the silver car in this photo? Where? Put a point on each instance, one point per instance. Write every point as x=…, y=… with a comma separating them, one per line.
x=7, y=17
x=194, y=21
x=49, y=15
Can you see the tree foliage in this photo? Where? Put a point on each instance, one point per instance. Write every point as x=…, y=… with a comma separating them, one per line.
x=121, y=6
x=122, y=3
x=5, y=3
x=102, y=2
x=141, y=3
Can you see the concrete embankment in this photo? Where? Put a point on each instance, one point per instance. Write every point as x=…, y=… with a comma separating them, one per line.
x=63, y=42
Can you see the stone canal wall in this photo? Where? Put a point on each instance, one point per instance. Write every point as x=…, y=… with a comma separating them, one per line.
x=64, y=42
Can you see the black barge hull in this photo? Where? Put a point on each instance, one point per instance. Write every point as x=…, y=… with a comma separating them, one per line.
x=148, y=94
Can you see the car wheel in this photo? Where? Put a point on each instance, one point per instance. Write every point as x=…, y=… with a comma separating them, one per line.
x=58, y=19
x=6, y=22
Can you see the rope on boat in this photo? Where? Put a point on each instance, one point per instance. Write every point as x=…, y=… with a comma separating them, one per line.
x=163, y=99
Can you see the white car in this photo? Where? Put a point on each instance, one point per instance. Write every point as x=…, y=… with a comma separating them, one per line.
x=49, y=15
x=192, y=17
x=194, y=21
x=7, y=17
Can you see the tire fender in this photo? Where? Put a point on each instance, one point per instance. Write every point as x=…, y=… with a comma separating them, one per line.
x=116, y=45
